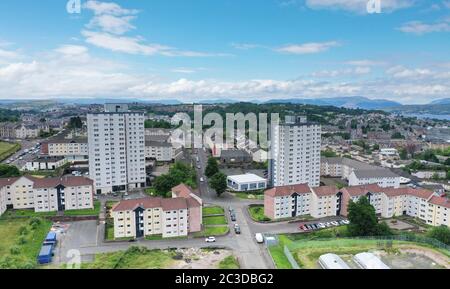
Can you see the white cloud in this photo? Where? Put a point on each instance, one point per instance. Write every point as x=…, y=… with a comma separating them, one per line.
x=72, y=50
x=365, y=62
x=357, y=71
x=358, y=6
x=112, y=24
x=307, y=48
x=420, y=28
x=110, y=8
x=245, y=46
x=183, y=70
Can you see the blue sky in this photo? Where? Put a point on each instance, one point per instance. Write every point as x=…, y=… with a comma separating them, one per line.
x=240, y=49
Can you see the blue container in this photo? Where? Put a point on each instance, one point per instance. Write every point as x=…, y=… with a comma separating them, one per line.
x=45, y=255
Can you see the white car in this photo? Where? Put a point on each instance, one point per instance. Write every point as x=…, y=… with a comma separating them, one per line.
x=259, y=238
x=202, y=180
x=346, y=222
x=321, y=225
x=210, y=240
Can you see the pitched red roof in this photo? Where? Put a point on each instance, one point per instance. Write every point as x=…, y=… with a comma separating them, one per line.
x=363, y=189
x=182, y=191
x=156, y=202
x=288, y=190
x=130, y=205
x=440, y=201
x=67, y=181
x=325, y=191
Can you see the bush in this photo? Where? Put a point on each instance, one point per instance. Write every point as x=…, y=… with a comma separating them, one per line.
x=14, y=250
x=22, y=240
x=441, y=233
x=23, y=230
x=35, y=221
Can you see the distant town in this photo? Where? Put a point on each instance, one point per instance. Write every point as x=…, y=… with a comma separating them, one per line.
x=87, y=181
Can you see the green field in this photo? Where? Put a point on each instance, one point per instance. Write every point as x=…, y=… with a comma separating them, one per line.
x=133, y=258
x=11, y=214
x=218, y=220
x=249, y=196
x=7, y=149
x=229, y=262
x=85, y=212
x=212, y=231
x=257, y=213
x=216, y=210
x=307, y=248
x=21, y=242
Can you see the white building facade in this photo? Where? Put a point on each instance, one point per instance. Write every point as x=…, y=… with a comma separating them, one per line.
x=295, y=153
x=116, y=144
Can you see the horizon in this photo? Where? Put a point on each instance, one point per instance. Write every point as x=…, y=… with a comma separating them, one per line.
x=247, y=51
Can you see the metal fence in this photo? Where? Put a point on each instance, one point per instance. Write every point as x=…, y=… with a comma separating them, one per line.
x=290, y=258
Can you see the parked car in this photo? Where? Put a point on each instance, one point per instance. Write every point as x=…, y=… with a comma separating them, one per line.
x=202, y=179
x=315, y=227
x=230, y=209
x=309, y=227
x=346, y=222
x=328, y=224
x=321, y=225
x=210, y=240
x=334, y=223
x=237, y=229
x=233, y=217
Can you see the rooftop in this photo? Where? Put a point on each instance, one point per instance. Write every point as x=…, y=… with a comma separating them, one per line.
x=246, y=178
x=288, y=190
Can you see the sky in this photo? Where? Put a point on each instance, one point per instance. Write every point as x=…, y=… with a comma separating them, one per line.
x=245, y=50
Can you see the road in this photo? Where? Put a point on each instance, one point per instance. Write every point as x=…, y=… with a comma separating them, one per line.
x=25, y=145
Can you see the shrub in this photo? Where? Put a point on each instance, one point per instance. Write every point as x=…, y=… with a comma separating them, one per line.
x=14, y=250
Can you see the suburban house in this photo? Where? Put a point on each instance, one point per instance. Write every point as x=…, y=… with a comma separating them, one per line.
x=46, y=195
x=298, y=200
x=174, y=217
x=246, y=182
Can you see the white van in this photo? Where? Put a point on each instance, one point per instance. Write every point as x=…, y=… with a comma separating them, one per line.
x=259, y=238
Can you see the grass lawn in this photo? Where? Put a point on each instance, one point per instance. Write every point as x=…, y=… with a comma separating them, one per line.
x=212, y=231
x=278, y=256
x=249, y=196
x=7, y=149
x=11, y=214
x=85, y=212
x=216, y=210
x=133, y=258
x=257, y=213
x=160, y=237
x=20, y=243
x=218, y=220
x=229, y=262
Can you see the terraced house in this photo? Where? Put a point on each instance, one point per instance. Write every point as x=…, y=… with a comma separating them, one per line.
x=174, y=217
x=325, y=201
x=46, y=195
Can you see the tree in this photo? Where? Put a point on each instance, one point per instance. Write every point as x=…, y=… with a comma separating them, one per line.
x=363, y=219
x=397, y=135
x=212, y=167
x=328, y=153
x=447, y=162
x=376, y=147
x=75, y=122
x=7, y=171
x=219, y=183
x=441, y=233
x=403, y=153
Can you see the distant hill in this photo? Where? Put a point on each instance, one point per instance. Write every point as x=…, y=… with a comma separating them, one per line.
x=432, y=109
x=441, y=101
x=347, y=102
x=119, y=100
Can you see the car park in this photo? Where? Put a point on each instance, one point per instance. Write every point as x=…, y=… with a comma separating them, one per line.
x=210, y=240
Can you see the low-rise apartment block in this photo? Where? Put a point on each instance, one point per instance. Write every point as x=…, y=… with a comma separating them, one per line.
x=358, y=173
x=178, y=216
x=325, y=201
x=72, y=149
x=46, y=195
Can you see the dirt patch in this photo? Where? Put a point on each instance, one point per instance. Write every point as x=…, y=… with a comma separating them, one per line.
x=412, y=257
x=194, y=258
